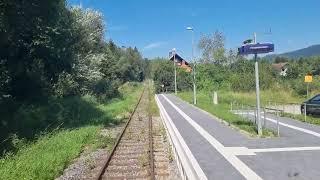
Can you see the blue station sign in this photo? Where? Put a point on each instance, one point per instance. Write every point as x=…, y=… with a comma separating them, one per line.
x=259, y=48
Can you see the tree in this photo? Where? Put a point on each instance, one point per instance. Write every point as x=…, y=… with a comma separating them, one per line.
x=35, y=46
x=163, y=75
x=232, y=56
x=212, y=47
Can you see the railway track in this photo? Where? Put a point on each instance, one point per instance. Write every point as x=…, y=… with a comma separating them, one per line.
x=132, y=156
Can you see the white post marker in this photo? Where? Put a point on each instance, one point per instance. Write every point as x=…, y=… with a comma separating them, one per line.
x=215, y=97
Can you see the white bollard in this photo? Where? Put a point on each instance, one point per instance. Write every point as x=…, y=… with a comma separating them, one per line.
x=215, y=97
x=278, y=127
x=265, y=114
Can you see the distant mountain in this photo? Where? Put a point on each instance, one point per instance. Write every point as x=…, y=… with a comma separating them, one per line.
x=313, y=50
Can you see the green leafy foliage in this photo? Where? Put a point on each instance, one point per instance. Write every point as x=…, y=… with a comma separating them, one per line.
x=239, y=76
x=52, y=56
x=162, y=71
x=52, y=151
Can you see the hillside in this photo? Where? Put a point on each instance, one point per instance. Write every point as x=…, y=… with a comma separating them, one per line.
x=313, y=50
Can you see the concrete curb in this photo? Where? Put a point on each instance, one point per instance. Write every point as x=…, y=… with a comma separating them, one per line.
x=185, y=160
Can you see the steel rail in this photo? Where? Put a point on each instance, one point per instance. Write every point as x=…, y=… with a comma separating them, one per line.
x=102, y=171
x=152, y=174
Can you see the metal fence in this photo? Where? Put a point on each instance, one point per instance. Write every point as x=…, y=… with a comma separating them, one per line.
x=286, y=107
x=297, y=109
x=249, y=113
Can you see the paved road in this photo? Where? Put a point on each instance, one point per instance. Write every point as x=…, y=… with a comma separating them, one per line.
x=288, y=108
x=223, y=153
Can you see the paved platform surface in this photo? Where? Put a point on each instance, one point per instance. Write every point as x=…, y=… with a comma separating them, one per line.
x=224, y=153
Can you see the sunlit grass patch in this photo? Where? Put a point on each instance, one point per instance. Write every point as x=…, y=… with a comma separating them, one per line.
x=48, y=156
x=266, y=96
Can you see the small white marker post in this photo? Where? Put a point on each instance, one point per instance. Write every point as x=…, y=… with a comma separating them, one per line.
x=278, y=127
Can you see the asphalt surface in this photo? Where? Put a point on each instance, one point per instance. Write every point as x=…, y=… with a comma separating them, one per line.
x=224, y=153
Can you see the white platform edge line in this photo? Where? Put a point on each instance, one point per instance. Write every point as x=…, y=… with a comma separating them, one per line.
x=190, y=164
x=286, y=149
x=290, y=126
x=231, y=158
x=296, y=128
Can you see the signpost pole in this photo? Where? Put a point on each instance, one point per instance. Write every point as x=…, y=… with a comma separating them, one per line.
x=258, y=95
x=307, y=90
x=308, y=80
x=256, y=48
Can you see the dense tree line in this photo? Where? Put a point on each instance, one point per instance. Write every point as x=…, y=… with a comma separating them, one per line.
x=50, y=51
x=220, y=69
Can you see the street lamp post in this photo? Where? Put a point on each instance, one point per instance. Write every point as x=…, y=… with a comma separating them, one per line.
x=175, y=71
x=194, y=68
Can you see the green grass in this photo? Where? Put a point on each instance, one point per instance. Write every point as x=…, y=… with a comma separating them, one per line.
x=51, y=153
x=48, y=156
x=154, y=110
x=122, y=106
x=249, y=98
x=278, y=96
x=221, y=110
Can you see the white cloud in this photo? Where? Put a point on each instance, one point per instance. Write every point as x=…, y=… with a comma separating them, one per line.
x=154, y=45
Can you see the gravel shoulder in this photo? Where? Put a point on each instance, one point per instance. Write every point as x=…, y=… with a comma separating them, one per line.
x=88, y=164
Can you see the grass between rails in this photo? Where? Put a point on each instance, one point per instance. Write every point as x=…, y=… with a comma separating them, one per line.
x=51, y=153
x=222, y=111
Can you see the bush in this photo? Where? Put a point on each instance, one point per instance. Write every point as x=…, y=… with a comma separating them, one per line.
x=66, y=86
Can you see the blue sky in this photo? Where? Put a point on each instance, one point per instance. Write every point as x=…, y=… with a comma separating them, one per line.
x=155, y=27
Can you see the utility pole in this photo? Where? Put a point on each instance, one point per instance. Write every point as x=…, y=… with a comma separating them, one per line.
x=175, y=71
x=257, y=89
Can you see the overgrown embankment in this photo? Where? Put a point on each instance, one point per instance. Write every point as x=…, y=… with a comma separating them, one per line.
x=51, y=152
